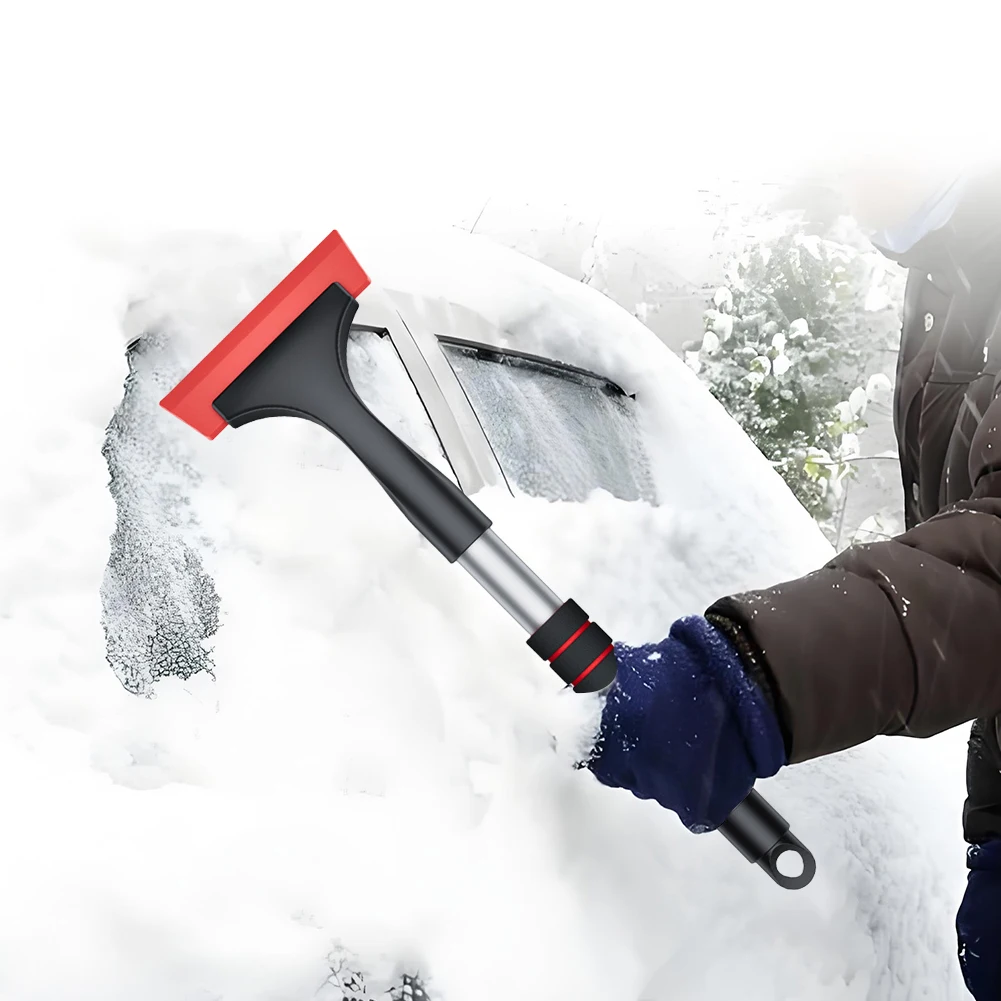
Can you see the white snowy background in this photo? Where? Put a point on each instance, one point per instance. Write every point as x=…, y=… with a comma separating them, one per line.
x=358, y=770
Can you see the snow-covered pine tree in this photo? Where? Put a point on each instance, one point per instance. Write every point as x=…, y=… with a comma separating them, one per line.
x=786, y=347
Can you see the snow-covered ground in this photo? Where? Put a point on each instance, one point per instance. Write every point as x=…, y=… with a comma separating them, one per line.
x=378, y=760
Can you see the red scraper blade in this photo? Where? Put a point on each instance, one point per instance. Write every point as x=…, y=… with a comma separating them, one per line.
x=191, y=399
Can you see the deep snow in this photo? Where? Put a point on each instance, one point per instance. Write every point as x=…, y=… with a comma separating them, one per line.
x=378, y=759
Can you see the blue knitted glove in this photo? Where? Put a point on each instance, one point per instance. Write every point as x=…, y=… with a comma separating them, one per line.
x=684, y=725
x=978, y=923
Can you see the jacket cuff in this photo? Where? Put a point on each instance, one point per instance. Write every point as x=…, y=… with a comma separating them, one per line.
x=757, y=670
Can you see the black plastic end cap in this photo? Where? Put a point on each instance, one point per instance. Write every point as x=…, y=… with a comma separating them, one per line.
x=789, y=844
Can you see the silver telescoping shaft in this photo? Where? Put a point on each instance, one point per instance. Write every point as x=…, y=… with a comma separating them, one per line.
x=511, y=584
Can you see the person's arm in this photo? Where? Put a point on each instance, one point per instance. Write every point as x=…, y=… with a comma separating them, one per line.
x=896, y=637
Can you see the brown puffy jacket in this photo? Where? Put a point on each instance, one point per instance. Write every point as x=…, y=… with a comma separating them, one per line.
x=904, y=636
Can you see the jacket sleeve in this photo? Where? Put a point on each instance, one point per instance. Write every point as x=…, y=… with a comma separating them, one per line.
x=896, y=637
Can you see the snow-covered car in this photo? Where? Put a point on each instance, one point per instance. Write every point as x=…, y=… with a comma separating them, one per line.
x=344, y=758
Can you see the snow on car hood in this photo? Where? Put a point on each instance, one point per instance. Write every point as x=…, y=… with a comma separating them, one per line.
x=378, y=759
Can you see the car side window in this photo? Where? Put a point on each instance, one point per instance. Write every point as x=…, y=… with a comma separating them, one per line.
x=558, y=432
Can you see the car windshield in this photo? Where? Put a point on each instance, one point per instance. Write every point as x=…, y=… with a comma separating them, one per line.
x=558, y=432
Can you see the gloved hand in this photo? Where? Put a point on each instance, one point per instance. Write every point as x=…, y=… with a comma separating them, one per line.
x=978, y=923
x=683, y=724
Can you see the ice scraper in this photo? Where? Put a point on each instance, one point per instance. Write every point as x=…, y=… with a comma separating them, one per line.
x=288, y=358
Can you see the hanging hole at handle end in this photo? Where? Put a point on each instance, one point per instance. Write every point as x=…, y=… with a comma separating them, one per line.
x=790, y=863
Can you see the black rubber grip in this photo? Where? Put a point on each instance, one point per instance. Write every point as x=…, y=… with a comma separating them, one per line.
x=304, y=373
x=581, y=653
x=557, y=629
x=761, y=834
x=586, y=661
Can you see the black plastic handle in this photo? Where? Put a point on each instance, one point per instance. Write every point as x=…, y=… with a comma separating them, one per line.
x=761, y=834
x=304, y=373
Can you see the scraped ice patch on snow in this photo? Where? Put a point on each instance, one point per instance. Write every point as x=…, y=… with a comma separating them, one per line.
x=377, y=759
x=160, y=607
